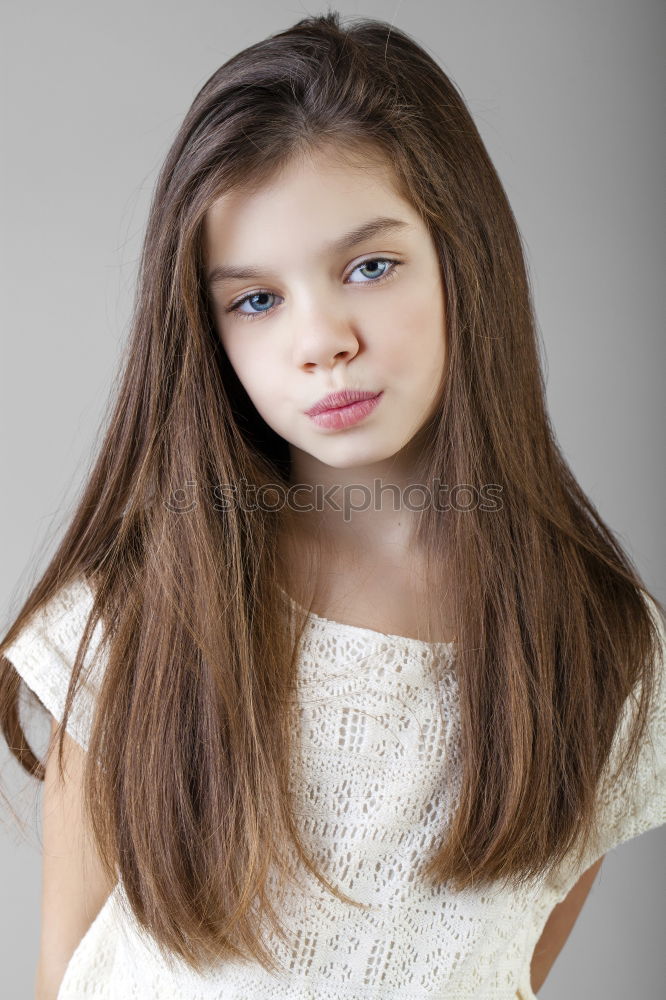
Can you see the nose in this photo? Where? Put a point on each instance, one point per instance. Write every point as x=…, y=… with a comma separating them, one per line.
x=322, y=338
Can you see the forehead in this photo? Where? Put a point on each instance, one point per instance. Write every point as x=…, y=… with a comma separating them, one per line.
x=314, y=197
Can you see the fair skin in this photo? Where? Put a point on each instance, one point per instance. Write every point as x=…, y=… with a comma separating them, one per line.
x=319, y=320
x=326, y=320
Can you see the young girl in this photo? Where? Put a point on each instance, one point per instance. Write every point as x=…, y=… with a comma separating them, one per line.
x=351, y=687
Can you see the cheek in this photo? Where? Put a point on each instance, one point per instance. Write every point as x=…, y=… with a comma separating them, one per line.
x=413, y=340
x=257, y=376
x=247, y=367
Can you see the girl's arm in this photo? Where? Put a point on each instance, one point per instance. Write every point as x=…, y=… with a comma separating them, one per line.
x=558, y=927
x=74, y=887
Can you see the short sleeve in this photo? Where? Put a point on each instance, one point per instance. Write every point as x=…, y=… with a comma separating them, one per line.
x=44, y=651
x=636, y=801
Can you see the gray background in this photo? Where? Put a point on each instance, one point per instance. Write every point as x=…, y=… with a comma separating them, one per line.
x=568, y=97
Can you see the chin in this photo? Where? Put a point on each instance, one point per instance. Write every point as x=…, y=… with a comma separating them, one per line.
x=357, y=458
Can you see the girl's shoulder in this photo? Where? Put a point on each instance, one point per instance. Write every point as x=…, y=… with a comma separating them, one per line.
x=635, y=802
x=44, y=651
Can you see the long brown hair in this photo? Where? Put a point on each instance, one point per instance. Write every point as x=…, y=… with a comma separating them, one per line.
x=186, y=779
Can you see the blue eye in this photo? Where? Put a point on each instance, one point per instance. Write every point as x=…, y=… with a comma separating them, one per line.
x=263, y=293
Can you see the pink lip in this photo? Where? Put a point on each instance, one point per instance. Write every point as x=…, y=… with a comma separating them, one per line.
x=337, y=399
x=339, y=417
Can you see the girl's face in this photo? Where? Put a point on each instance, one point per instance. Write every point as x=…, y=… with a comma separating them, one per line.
x=322, y=312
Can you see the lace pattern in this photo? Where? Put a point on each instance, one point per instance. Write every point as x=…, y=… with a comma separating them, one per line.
x=375, y=778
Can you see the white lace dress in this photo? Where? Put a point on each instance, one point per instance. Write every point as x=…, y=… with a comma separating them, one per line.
x=376, y=781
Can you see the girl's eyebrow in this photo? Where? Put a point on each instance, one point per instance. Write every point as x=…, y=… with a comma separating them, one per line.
x=373, y=227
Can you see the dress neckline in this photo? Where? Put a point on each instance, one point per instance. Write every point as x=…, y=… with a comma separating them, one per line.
x=407, y=640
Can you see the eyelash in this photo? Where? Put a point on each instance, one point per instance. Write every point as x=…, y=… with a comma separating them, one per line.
x=386, y=276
